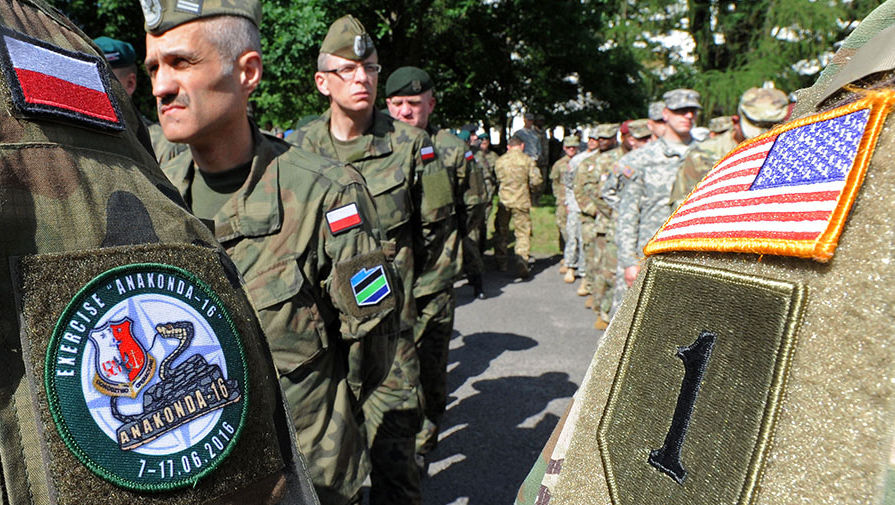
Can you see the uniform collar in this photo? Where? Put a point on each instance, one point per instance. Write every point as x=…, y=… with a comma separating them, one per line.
x=377, y=138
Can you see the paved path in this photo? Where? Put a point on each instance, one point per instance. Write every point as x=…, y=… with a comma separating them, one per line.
x=516, y=359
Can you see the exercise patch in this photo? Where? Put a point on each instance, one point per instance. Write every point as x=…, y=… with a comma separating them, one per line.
x=146, y=377
x=48, y=81
x=787, y=192
x=370, y=286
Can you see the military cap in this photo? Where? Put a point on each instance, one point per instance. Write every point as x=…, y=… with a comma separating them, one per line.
x=162, y=15
x=347, y=38
x=681, y=98
x=571, y=141
x=720, y=124
x=408, y=81
x=760, y=109
x=529, y=116
x=607, y=130
x=118, y=53
x=464, y=134
x=639, y=129
x=484, y=136
x=655, y=111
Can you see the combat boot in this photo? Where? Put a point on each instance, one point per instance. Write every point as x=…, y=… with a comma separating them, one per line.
x=524, y=271
x=570, y=276
x=583, y=288
x=601, y=324
x=477, y=286
x=563, y=268
x=589, y=302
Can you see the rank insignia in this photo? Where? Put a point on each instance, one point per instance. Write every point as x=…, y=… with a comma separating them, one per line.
x=48, y=81
x=343, y=219
x=787, y=192
x=370, y=286
x=146, y=378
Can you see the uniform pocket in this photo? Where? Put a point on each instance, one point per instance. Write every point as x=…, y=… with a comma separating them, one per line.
x=289, y=315
x=389, y=190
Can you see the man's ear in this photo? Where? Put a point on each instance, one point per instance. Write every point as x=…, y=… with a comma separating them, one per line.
x=320, y=81
x=250, y=70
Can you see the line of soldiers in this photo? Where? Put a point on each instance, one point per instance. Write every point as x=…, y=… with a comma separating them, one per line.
x=346, y=237
x=613, y=196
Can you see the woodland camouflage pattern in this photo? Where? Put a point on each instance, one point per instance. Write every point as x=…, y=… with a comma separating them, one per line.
x=297, y=275
x=76, y=192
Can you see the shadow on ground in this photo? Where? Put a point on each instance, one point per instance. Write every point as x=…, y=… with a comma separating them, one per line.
x=492, y=437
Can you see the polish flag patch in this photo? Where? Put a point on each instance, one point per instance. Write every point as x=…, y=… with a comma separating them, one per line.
x=343, y=219
x=427, y=153
x=45, y=80
x=469, y=156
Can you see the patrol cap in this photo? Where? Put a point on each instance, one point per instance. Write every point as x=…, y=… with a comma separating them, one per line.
x=681, y=98
x=118, y=53
x=760, y=109
x=162, y=15
x=408, y=81
x=720, y=124
x=571, y=141
x=607, y=130
x=639, y=128
x=347, y=38
x=655, y=111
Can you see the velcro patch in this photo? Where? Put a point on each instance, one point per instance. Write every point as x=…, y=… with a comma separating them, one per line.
x=469, y=156
x=694, y=405
x=47, y=81
x=370, y=286
x=343, y=218
x=191, y=7
x=364, y=285
x=787, y=192
x=427, y=153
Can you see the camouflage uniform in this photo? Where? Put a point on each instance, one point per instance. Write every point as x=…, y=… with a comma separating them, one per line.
x=518, y=176
x=559, y=191
x=573, y=254
x=698, y=163
x=487, y=160
x=414, y=199
x=82, y=199
x=645, y=201
x=825, y=383
x=330, y=352
x=532, y=139
x=602, y=284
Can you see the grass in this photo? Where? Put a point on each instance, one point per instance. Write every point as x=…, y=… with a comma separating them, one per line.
x=544, y=234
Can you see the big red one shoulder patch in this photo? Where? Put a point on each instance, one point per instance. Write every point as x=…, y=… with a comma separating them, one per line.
x=48, y=81
x=146, y=379
x=787, y=192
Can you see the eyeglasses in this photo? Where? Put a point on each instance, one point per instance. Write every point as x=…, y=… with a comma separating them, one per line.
x=348, y=71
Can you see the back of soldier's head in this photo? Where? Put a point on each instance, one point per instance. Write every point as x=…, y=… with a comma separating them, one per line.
x=760, y=109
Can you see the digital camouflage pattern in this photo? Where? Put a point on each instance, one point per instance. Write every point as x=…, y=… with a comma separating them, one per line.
x=559, y=192
x=645, y=201
x=573, y=253
x=698, y=162
x=519, y=177
x=331, y=353
x=606, y=262
x=75, y=194
x=414, y=199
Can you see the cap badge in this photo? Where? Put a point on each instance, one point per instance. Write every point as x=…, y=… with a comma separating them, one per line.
x=360, y=45
x=152, y=11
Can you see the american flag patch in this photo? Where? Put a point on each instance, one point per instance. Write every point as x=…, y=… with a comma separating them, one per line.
x=427, y=153
x=45, y=80
x=787, y=192
x=469, y=156
x=343, y=218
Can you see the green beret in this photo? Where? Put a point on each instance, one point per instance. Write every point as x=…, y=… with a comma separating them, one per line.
x=162, y=15
x=348, y=39
x=119, y=54
x=464, y=134
x=407, y=81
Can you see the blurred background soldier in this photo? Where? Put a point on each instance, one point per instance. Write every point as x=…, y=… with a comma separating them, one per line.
x=85, y=207
x=656, y=120
x=414, y=198
x=570, y=148
x=530, y=136
x=518, y=177
x=282, y=214
x=573, y=254
x=645, y=203
x=486, y=159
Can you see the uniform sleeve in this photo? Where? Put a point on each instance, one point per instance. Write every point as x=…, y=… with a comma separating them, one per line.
x=585, y=188
x=534, y=178
x=437, y=244
x=610, y=193
x=628, y=221
x=362, y=285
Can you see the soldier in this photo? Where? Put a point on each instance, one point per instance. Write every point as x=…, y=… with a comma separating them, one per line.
x=300, y=228
x=413, y=195
x=410, y=98
x=775, y=403
x=134, y=369
x=570, y=147
x=656, y=120
x=586, y=189
x=519, y=177
x=759, y=110
x=645, y=203
x=486, y=158
x=573, y=254
x=530, y=136
x=721, y=124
